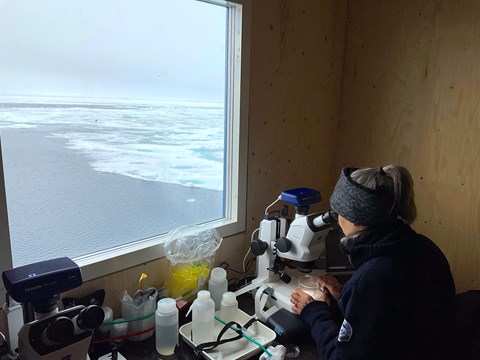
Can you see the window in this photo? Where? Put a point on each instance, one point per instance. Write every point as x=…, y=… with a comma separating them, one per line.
x=119, y=121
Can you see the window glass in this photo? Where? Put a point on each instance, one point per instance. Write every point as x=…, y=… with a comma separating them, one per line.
x=112, y=121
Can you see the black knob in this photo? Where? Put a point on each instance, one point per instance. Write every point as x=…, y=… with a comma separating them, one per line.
x=283, y=244
x=285, y=278
x=258, y=247
x=60, y=329
x=91, y=317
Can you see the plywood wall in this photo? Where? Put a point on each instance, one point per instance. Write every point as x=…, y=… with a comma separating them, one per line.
x=411, y=96
x=115, y=284
x=295, y=83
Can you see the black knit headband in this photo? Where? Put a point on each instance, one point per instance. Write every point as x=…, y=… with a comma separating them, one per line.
x=359, y=204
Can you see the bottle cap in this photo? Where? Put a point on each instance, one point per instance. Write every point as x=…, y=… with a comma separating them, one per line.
x=229, y=298
x=166, y=305
x=203, y=295
x=218, y=274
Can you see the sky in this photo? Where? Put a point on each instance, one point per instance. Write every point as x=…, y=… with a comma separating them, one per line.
x=141, y=49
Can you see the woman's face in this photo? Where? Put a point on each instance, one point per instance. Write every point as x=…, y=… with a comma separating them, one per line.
x=349, y=227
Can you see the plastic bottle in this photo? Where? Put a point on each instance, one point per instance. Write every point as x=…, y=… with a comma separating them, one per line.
x=12, y=312
x=118, y=329
x=218, y=285
x=203, y=314
x=107, y=319
x=229, y=307
x=166, y=326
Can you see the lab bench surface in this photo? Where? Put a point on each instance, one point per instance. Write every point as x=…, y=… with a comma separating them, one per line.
x=145, y=350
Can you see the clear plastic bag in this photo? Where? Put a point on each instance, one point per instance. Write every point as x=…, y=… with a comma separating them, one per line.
x=190, y=250
x=188, y=244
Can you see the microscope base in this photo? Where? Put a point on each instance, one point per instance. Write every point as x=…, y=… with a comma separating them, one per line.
x=275, y=295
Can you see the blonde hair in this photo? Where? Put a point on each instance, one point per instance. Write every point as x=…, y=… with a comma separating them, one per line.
x=392, y=180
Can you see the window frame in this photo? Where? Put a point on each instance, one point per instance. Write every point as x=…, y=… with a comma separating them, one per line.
x=237, y=84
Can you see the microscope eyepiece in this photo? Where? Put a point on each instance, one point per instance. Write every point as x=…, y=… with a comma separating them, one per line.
x=330, y=217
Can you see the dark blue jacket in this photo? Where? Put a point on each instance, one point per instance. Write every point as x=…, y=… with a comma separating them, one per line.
x=397, y=305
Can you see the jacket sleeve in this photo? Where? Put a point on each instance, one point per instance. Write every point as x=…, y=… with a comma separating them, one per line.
x=323, y=327
x=363, y=335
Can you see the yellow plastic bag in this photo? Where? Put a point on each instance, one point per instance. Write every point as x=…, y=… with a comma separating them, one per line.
x=185, y=279
x=190, y=250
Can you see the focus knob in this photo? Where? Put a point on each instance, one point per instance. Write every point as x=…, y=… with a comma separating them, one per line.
x=258, y=247
x=283, y=244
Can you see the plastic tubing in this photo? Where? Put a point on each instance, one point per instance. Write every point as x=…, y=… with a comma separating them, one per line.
x=153, y=328
x=246, y=336
x=127, y=335
x=124, y=336
x=128, y=320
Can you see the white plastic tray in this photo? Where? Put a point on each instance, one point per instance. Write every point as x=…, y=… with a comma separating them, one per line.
x=238, y=349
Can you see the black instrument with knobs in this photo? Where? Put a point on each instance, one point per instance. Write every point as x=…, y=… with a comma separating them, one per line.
x=49, y=333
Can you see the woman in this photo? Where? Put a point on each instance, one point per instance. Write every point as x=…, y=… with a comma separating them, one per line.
x=397, y=304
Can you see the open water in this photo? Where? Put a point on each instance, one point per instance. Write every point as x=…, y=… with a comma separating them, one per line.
x=85, y=175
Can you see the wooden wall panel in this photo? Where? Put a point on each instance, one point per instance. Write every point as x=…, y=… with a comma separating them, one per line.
x=115, y=284
x=296, y=69
x=295, y=83
x=411, y=96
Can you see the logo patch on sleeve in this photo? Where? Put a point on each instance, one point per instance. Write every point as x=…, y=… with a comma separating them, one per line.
x=345, y=333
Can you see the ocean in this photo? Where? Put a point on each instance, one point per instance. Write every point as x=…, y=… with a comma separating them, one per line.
x=86, y=175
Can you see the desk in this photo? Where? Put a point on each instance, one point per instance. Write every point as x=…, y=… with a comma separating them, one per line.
x=145, y=350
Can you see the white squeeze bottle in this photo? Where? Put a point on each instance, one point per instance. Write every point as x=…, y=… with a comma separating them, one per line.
x=166, y=326
x=229, y=307
x=203, y=314
x=218, y=285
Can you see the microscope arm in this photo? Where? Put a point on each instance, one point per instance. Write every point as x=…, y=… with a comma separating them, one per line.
x=255, y=284
x=265, y=250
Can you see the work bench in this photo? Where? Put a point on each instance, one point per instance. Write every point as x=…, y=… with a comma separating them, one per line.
x=145, y=350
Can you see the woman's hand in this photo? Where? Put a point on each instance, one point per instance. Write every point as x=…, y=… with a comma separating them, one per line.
x=331, y=284
x=300, y=299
